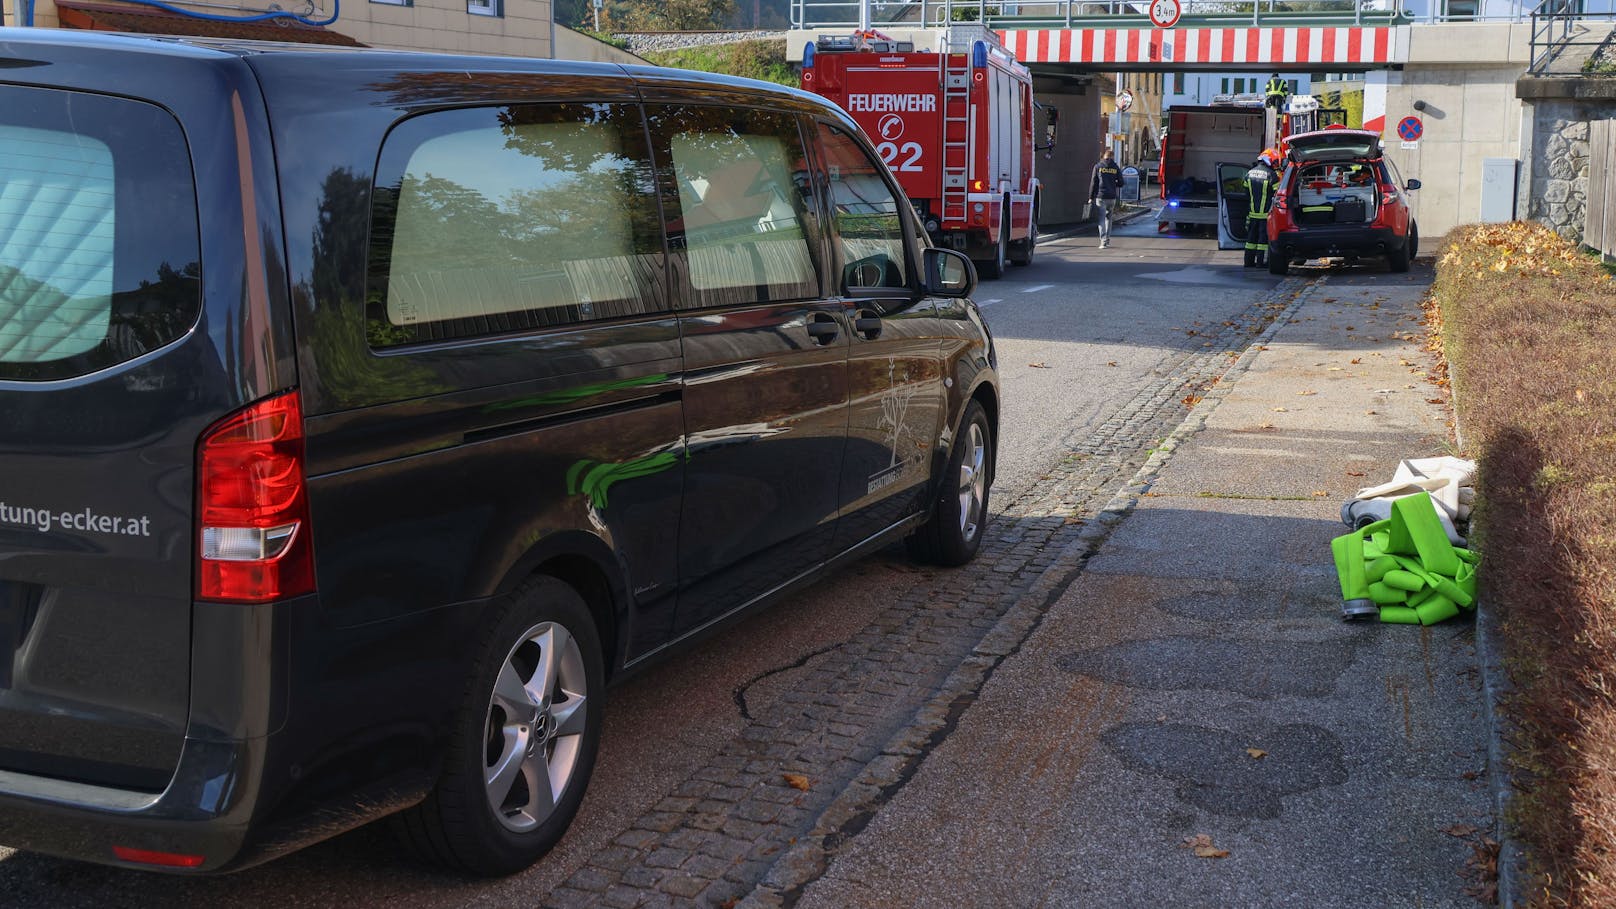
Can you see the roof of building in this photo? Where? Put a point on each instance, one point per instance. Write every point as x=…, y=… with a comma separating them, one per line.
x=106, y=17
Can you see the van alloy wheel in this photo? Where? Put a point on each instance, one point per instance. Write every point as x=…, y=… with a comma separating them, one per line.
x=973, y=481
x=524, y=744
x=959, y=516
x=535, y=726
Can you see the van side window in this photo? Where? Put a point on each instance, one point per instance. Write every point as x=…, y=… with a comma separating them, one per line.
x=99, y=242
x=744, y=200
x=869, y=227
x=506, y=219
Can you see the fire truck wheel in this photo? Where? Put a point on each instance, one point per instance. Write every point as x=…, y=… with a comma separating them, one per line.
x=994, y=267
x=1022, y=250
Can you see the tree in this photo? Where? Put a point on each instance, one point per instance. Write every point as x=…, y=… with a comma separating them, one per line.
x=667, y=15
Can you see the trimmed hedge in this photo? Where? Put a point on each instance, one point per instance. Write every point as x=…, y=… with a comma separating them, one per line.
x=1528, y=325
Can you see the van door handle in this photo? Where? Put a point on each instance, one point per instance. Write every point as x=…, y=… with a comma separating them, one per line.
x=822, y=328
x=867, y=323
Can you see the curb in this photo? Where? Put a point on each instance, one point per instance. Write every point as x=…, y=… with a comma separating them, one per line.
x=1495, y=685
x=904, y=753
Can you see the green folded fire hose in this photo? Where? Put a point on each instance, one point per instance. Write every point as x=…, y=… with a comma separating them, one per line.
x=1405, y=567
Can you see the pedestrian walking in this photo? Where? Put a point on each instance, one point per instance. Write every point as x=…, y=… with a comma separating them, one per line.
x=1103, y=190
x=1274, y=93
x=1260, y=183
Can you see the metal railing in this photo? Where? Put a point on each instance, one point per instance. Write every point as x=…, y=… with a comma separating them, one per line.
x=1558, y=26
x=1093, y=13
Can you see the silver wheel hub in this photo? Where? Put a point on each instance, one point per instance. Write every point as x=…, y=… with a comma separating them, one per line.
x=973, y=480
x=533, y=734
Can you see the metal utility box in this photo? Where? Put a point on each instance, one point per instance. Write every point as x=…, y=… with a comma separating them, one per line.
x=1498, y=189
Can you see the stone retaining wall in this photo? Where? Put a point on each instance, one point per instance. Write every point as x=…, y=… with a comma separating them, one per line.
x=1558, y=194
x=640, y=42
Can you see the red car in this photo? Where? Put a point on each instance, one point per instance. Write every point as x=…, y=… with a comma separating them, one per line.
x=1340, y=196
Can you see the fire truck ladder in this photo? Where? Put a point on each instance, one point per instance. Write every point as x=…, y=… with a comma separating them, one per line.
x=956, y=133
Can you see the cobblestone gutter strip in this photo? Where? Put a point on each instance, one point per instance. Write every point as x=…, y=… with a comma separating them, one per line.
x=900, y=759
x=851, y=723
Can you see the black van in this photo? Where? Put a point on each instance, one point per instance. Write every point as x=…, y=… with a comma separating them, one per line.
x=364, y=414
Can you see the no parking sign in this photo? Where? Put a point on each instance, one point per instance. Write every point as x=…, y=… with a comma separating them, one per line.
x=1410, y=129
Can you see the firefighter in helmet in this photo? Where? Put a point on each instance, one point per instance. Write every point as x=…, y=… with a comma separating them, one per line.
x=1261, y=182
x=1274, y=93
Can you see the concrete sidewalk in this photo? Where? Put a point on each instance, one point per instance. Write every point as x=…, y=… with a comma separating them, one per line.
x=1197, y=681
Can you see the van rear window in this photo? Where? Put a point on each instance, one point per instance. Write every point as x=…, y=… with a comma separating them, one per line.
x=99, y=258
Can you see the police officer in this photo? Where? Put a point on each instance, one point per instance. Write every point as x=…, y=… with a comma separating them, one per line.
x=1103, y=192
x=1274, y=93
x=1260, y=183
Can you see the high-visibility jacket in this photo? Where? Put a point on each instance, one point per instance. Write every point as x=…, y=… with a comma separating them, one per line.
x=1276, y=88
x=1259, y=191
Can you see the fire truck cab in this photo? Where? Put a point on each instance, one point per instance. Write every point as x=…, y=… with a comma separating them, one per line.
x=955, y=126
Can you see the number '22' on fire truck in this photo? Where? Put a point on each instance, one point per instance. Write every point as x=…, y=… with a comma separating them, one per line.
x=955, y=128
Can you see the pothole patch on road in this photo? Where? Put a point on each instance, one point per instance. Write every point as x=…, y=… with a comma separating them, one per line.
x=1215, y=770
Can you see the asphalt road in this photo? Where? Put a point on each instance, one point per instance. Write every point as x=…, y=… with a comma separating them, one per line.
x=1086, y=337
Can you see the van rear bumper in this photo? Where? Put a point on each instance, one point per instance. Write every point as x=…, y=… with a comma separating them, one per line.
x=237, y=799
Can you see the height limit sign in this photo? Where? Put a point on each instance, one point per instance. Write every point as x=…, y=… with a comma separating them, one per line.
x=1410, y=129
x=1165, y=13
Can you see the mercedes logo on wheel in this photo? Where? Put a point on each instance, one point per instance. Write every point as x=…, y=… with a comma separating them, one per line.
x=890, y=127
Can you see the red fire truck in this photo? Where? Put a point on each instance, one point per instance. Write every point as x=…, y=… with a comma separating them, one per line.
x=955, y=128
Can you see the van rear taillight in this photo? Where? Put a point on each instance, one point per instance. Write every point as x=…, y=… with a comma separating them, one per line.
x=253, y=506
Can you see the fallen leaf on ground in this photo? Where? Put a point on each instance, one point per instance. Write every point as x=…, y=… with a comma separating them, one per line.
x=795, y=781
x=1319, y=493
x=1279, y=410
x=1191, y=400
x=1435, y=401
x=1257, y=754
x=1470, y=775
x=1356, y=360
x=1369, y=413
x=1111, y=362
x=1201, y=845
x=1356, y=473
x=1304, y=393
x=1039, y=365
x=1459, y=830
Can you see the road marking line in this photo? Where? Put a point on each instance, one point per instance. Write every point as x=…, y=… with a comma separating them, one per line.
x=1037, y=287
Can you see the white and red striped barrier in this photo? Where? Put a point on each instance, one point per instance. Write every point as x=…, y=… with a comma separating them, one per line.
x=1257, y=47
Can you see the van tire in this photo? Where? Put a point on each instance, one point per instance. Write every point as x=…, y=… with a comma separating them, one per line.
x=1278, y=264
x=457, y=825
x=951, y=537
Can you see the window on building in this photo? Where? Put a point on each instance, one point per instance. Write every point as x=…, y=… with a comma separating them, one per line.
x=1292, y=83
x=1225, y=89
x=503, y=219
x=867, y=216
x=744, y=201
x=395, y=2
x=1178, y=83
x=485, y=7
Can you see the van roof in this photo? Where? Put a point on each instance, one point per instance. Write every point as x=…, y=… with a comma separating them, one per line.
x=15, y=41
